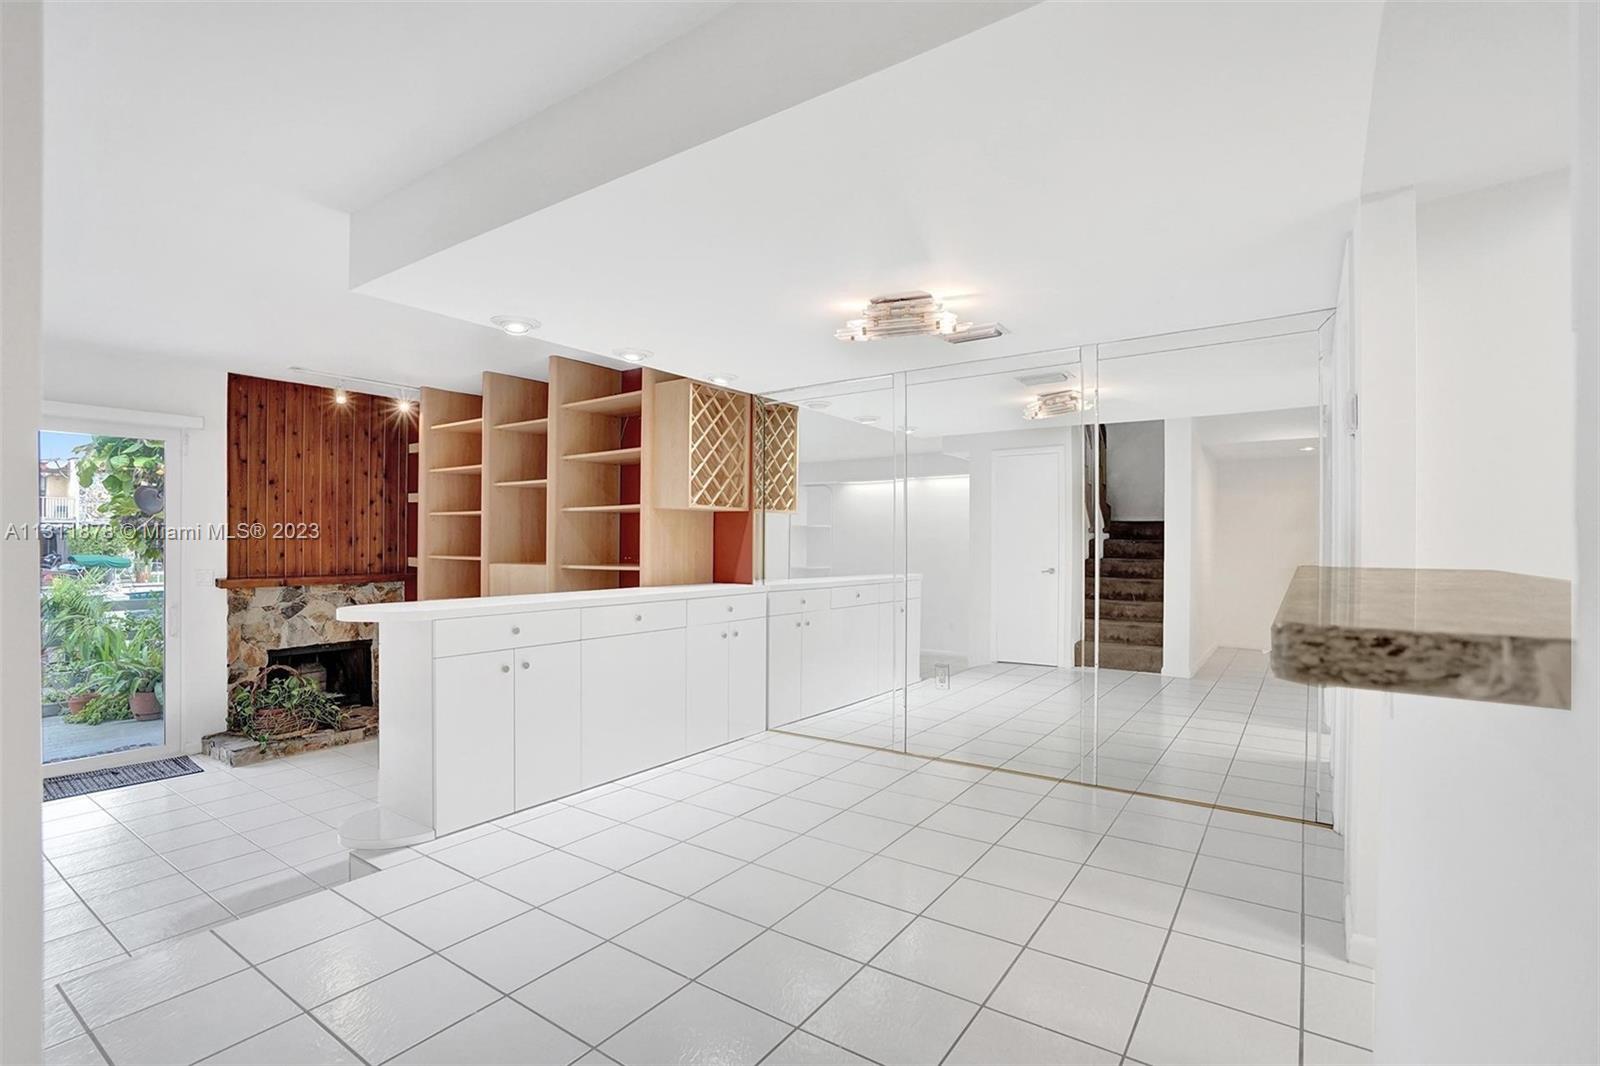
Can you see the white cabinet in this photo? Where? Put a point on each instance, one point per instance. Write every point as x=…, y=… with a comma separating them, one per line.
x=727, y=687
x=707, y=718
x=548, y=723
x=473, y=740
x=913, y=653
x=785, y=659
x=855, y=632
x=818, y=668
x=633, y=704
x=747, y=678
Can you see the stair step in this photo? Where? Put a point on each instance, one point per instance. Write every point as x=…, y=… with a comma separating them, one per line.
x=1125, y=610
x=1129, y=588
x=1119, y=656
x=1133, y=548
x=1115, y=631
x=1152, y=568
x=1136, y=530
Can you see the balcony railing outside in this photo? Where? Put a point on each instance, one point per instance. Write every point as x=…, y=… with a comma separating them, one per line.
x=58, y=509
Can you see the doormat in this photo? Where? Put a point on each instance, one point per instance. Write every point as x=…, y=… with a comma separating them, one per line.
x=119, y=777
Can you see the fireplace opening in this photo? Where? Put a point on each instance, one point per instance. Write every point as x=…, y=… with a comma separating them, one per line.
x=343, y=669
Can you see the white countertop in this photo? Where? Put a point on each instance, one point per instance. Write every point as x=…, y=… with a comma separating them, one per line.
x=478, y=606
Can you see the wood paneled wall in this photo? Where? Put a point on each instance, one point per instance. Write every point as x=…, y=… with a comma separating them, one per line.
x=297, y=459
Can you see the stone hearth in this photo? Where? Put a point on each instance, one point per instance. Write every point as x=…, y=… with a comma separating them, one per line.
x=296, y=616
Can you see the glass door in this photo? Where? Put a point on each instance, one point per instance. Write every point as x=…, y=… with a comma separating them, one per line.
x=104, y=600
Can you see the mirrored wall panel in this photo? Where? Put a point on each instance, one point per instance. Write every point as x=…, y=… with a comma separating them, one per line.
x=1063, y=565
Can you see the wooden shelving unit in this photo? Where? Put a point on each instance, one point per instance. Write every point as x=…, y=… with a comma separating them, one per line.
x=516, y=482
x=596, y=432
x=600, y=478
x=450, y=494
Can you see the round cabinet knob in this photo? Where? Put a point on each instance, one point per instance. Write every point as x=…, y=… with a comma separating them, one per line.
x=735, y=632
x=638, y=618
x=730, y=608
x=808, y=624
x=858, y=595
x=802, y=601
x=797, y=625
x=505, y=669
x=515, y=630
x=525, y=665
x=724, y=634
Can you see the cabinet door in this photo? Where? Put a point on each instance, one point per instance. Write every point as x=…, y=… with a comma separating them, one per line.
x=890, y=618
x=474, y=771
x=856, y=631
x=707, y=713
x=914, y=640
x=548, y=734
x=784, y=682
x=747, y=677
x=820, y=661
x=633, y=703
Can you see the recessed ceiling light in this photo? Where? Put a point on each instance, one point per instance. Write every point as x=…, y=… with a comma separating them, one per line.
x=515, y=327
x=1309, y=448
x=724, y=379
x=633, y=355
x=910, y=430
x=866, y=420
x=819, y=405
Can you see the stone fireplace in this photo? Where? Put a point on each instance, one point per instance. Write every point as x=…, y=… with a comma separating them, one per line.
x=295, y=624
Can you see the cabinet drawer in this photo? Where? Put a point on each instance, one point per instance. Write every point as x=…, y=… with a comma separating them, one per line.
x=632, y=618
x=859, y=595
x=793, y=601
x=463, y=636
x=726, y=609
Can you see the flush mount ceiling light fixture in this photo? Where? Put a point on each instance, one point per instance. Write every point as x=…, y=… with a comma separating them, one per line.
x=632, y=355
x=866, y=420
x=819, y=405
x=724, y=379
x=912, y=314
x=513, y=326
x=1053, y=404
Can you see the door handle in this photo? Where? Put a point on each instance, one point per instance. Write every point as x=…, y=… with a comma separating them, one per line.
x=1048, y=570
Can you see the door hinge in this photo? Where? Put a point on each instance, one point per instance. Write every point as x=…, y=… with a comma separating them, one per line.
x=1355, y=413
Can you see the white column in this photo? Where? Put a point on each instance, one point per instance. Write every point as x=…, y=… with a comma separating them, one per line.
x=21, y=920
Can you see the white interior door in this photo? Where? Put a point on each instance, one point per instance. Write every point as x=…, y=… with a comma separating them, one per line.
x=1027, y=556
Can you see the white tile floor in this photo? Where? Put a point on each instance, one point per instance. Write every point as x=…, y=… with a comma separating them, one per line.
x=778, y=900
x=131, y=867
x=1231, y=735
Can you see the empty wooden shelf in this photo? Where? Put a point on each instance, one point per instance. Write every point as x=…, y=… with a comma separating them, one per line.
x=460, y=425
x=467, y=468
x=617, y=405
x=605, y=508
x=612, y=456
x=450, y=493
x=526, y=425
x=516, y=459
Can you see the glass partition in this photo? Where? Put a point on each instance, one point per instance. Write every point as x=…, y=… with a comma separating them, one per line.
x=1062, y=564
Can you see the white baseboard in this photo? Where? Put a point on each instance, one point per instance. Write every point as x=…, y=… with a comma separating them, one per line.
x=1359, y=948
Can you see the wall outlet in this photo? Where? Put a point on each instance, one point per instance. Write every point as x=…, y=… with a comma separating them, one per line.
x=941, y=675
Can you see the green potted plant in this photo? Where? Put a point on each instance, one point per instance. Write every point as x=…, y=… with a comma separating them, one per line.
x=131, y=673
x=280, y=704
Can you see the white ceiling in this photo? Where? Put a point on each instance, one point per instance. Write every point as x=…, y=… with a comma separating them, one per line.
x=200, y=160
x=1219, y=384
x=1080, y=172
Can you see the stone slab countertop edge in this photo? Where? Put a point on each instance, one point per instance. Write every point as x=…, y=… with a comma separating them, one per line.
x=1486, y=635
x=475, y=606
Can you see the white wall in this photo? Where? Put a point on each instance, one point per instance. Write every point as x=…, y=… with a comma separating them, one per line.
x=1264, y=525
x=1203, y=532
x=21, y=168
x=1135, y=470
x=1487, y=862
x=1178, y=548
x=141, y=382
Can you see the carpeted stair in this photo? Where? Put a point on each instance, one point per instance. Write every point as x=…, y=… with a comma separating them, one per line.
x=1131, y=573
